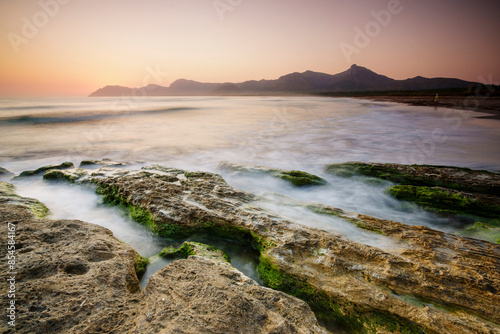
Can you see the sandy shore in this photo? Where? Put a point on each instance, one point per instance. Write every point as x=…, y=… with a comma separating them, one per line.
x=489, y=105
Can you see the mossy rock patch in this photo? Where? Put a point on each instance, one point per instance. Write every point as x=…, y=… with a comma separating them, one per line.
x=189, y=248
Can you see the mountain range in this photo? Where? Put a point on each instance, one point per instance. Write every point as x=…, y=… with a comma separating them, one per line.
x=355, y=79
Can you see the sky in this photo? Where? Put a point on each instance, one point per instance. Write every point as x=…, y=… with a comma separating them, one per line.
x=73, y=47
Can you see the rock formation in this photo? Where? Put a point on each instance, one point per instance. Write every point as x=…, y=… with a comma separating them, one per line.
x=41, y=170
x=4, y=171
x=71, y=276
x=442, y=189
x=429, y=282
x=76, y=277
x=202, y=295
x=457, y=178
x=294, y=177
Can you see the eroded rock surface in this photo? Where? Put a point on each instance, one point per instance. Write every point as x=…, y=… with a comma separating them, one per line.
x=202, y=295
x=71, y=276
x=76, y=277
x=431, y=282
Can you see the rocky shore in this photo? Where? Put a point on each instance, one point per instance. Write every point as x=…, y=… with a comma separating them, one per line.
x=76, y=277
x=425, y=281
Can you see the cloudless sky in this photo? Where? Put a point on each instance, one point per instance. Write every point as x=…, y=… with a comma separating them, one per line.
x=73, y=47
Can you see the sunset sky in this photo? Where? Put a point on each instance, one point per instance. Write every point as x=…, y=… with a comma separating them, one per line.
x=73, y=47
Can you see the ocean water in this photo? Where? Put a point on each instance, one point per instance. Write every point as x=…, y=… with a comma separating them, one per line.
x=198, y=133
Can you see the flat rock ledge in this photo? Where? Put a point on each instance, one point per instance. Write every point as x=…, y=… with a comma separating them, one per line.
x=76, y=277
x=431, y=282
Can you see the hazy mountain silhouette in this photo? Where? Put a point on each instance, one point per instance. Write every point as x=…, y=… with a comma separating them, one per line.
x=356, y=78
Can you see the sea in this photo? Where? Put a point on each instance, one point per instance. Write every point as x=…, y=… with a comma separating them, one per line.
x=198, y=133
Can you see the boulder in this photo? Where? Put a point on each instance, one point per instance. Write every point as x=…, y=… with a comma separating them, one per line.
x=70, y=276
x=203, y=295
x=425, y=281
x=38, y=171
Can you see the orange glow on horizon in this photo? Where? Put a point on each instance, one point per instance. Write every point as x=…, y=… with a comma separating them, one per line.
x=72, y=48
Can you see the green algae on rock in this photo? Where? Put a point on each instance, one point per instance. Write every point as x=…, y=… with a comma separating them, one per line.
x=360, y=285
x=295, y=177
x=141, y=264
x=189, y=248
x=486, y=231
x=448, y=200
x=8, y=195
x=76, y=277
x=70, y=176
x=64, y=165
x=423, y=175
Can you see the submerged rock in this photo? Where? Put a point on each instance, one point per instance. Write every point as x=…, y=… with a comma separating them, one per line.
x=423, y=175
x=101, y=163
x=449, y=200
x=64, y=165
x=442, y=189
x=430, y=281
x=295, y=177
x=76, y=277
x=4, y=171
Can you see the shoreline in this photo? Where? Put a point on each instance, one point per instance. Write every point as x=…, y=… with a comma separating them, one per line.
x=489, y=105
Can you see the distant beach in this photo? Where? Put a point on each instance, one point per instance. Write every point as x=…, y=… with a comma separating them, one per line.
x=489, y=105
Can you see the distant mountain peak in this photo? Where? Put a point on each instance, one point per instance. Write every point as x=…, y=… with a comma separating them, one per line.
x=356, y=78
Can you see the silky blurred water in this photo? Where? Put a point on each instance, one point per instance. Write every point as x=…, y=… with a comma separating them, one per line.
x=298, y=132
x=197, y=133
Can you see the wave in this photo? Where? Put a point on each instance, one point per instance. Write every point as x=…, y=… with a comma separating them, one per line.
x=83, y=117
x=29, y=107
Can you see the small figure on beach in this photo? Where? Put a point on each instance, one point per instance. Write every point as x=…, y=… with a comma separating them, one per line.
x=436, y=100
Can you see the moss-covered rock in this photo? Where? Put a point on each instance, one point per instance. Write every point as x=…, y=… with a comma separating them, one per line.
x=295, y=177
x=447, y=200
x=299, y=178
x=326, y=307
x=103, y=162
x=189, y=248
x=457, y=178
x=64, y=165
x=68, y=175
x=8, y=195
x=345, y=281
x=141, y=264
x=486, y=231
